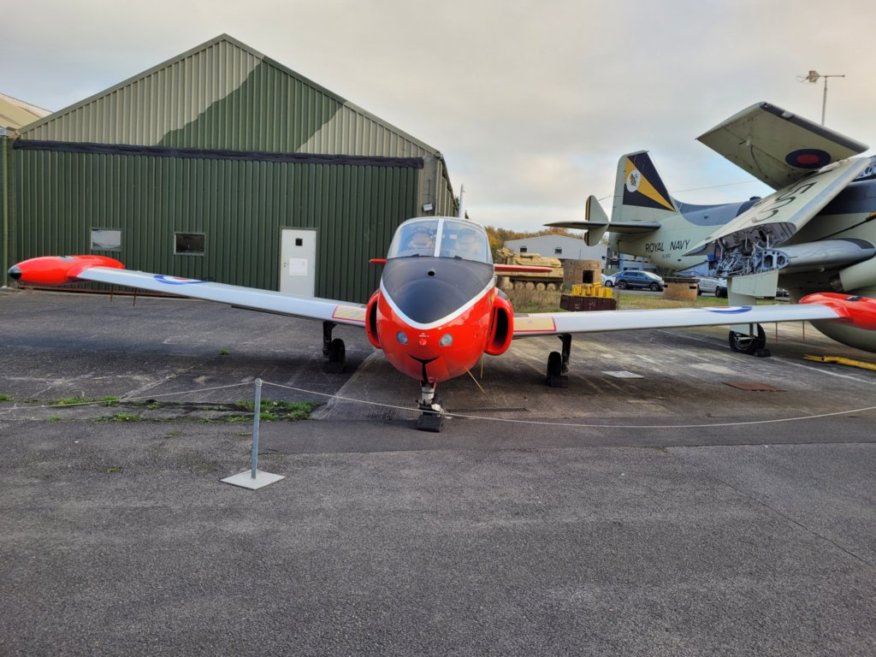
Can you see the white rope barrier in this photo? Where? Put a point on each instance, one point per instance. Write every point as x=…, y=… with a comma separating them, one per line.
x=408, y=409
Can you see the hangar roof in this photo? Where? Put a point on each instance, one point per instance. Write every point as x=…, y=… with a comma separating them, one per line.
x=224, y=94
x=16, y=113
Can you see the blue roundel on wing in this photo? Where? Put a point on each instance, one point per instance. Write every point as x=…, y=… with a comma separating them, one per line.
x=176, y=280
x=808, y=158
x=733, y=310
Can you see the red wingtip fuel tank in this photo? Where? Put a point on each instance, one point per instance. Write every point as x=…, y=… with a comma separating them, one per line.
x=860, y=312
x=58, y=270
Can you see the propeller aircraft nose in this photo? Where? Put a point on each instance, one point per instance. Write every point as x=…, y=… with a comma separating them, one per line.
x=15, y=272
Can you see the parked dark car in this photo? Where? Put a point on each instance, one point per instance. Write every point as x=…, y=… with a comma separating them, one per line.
x=633, y=279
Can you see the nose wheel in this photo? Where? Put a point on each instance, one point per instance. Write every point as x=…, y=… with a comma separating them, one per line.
x=432, y=413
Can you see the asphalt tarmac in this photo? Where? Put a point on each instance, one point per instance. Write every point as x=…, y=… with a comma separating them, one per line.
x=675, y=499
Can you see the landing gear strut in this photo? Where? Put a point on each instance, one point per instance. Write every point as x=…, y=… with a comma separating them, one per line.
x=749, y=343
x=432, y=413
x=334, y=350
x=558, y=363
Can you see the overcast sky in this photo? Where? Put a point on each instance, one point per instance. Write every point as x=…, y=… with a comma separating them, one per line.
x=531, y=102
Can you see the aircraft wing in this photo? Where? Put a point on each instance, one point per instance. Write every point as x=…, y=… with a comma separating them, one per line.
x=595, y=222
x=624, y=227
x=781, y=214
x=777, y=147
x=622, y=320
x=81, y=268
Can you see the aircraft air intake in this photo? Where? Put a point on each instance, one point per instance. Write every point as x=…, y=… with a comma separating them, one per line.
x=855, y=277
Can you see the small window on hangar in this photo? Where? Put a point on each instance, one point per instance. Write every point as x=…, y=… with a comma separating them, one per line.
x=189, y=243
x=106, y=239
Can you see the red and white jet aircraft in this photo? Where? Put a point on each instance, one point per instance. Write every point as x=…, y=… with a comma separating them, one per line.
x=438, y=310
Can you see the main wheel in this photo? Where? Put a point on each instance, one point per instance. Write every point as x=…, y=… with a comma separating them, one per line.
x=622, y=285
x=555, y=378
x=337, y=355
x=609, y=284
x=654, y=287
x=747, y=344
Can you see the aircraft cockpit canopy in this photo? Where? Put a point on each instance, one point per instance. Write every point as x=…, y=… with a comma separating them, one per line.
x=441, y=237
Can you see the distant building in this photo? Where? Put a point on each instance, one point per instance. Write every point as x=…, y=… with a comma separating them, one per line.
x=561, y=247
x=16, y=113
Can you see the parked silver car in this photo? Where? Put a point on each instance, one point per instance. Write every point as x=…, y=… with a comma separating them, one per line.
x=711, y=285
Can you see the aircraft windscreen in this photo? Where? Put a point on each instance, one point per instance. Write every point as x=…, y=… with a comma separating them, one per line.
x=445, y=238
x=414, y=238
x=459, y=239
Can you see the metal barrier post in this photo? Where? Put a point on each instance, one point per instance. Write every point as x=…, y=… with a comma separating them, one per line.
x=256, y=417
x=254, y=479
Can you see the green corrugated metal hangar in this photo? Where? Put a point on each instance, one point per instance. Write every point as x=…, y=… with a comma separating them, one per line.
x=220, y=164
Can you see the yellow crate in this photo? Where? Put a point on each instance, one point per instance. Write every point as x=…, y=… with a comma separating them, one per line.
x=596, y=290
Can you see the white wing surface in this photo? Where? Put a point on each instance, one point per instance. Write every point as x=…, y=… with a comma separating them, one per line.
x=245, y=297
x=625, y=320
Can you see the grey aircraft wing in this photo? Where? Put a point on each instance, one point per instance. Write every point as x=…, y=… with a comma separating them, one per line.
x=776, y=146
x=596, y=223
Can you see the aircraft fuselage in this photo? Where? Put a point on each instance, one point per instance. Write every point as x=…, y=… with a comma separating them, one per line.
x=433, y=315
x=438, y=309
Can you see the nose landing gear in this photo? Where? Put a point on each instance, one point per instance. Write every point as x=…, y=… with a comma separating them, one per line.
x=432, y=413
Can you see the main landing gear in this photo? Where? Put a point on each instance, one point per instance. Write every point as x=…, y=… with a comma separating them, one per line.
x=432, y=413
x=333, y=350
x=558, y=363
x=750, y=343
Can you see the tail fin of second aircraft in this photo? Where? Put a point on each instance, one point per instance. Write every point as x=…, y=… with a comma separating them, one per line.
x=595, y=216
x=639, y=192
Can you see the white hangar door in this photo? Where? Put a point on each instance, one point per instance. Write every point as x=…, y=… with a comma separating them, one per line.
x=298, y=262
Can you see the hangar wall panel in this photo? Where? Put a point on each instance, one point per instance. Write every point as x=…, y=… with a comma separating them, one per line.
x=5, y=215
x=240, y=206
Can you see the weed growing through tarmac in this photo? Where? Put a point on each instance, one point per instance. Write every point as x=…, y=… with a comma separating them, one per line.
x=4, y=398
x=231, y=413
x=276, y=411
x=69, y=401
x=123, y=417
x=77, y=401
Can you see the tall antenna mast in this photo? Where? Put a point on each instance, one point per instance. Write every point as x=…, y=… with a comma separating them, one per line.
x=813, y=77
